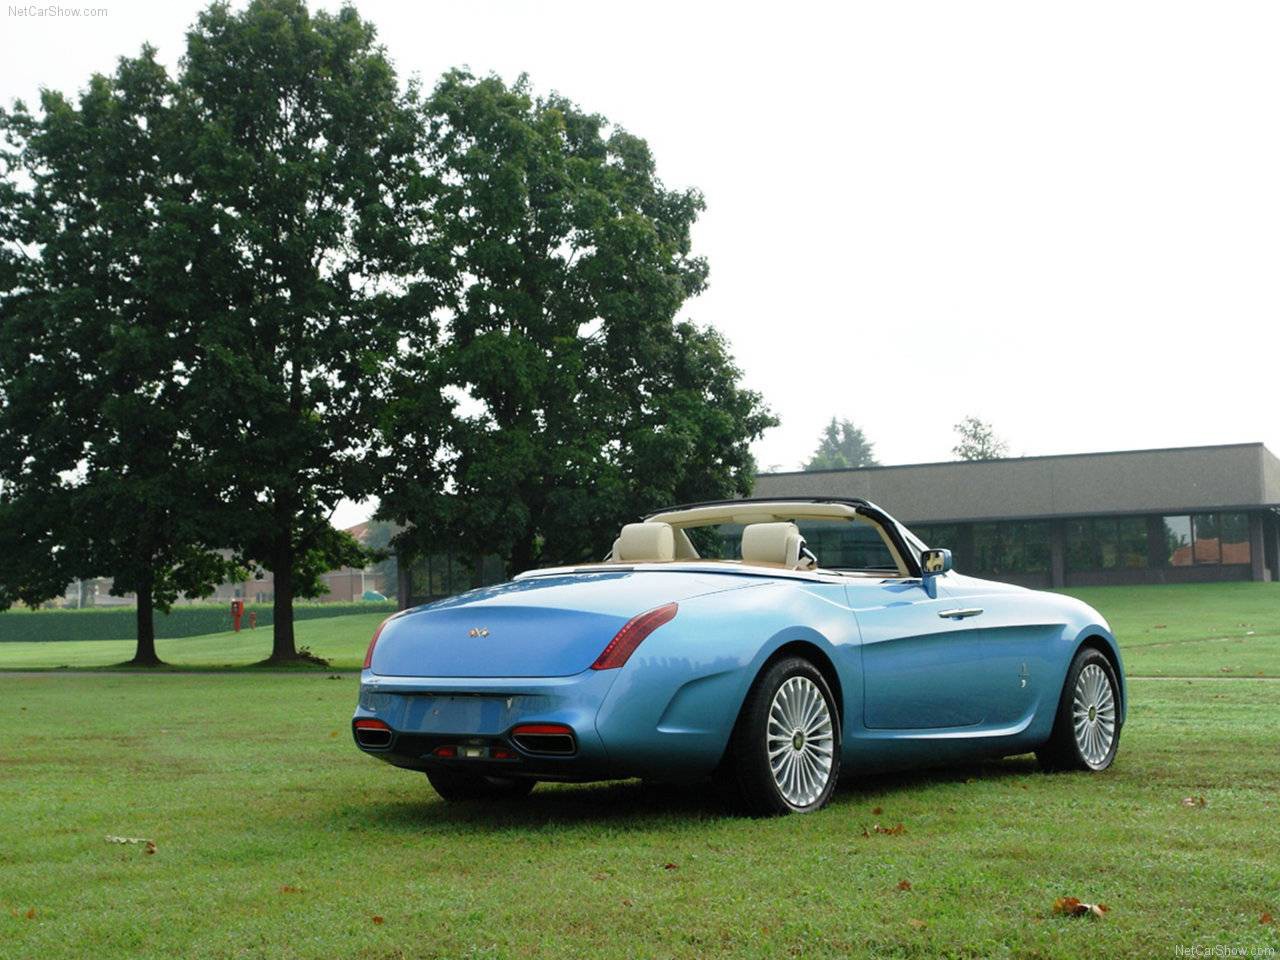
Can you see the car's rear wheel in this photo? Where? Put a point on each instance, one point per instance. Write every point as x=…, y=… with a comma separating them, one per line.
x=454, y=785
x=784, y=756
x=1086, y=731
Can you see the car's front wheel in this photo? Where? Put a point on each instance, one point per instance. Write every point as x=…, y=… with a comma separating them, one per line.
x=784, y=756
x=1086, y=730
x=453, y=785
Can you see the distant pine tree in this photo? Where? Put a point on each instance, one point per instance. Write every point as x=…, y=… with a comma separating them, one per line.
x=842, y=446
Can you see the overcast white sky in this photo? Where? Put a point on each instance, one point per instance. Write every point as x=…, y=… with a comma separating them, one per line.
x=1062, y=218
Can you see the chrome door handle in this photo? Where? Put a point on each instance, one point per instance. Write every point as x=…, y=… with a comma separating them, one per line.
x=960, y=613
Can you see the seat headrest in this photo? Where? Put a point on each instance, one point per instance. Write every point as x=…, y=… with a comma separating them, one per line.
x=775, y=543
x=645, y=542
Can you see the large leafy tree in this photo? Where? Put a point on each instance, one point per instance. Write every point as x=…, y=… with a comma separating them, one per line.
x=976, y=439
x=841, y=446
x=581, y=400
x=100, y=315
x=309, y=163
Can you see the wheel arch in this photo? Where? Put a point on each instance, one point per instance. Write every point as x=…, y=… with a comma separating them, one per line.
x=795, y=647
x=814, y=654
x=1105, y=645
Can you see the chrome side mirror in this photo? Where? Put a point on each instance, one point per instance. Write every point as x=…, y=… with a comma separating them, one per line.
x=933, y=563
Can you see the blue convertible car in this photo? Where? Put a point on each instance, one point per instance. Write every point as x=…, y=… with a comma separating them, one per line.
x=769, y=644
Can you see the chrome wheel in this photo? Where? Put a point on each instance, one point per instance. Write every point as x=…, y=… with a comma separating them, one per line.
x=1093, y=714
x=801, y=741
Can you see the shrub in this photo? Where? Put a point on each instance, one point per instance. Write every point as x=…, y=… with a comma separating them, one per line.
x=117, y=623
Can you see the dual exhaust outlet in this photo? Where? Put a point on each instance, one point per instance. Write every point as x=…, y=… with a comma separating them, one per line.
x=541, y=739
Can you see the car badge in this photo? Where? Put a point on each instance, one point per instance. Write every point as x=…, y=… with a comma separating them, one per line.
x=478, y=632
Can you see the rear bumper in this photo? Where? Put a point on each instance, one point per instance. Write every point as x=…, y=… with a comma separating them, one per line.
x=477, y=715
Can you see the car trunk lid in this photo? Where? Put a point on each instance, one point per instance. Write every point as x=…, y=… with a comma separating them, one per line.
x=544, y=626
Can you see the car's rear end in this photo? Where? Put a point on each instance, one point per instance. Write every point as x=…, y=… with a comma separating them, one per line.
x=507, y=681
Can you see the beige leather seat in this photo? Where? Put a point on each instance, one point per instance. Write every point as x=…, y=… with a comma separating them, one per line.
x=776, y=544
x=644, y=543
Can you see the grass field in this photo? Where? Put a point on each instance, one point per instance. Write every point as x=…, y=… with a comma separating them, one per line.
x=275, y=838
x=1193, y=630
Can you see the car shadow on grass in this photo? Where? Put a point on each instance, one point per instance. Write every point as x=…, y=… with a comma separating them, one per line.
x=642, y=805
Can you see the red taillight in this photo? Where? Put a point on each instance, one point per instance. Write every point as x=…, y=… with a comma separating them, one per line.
x=368, y=723
x=500, y=753
x=630, y=636
x=447, y=752
x=368, y=654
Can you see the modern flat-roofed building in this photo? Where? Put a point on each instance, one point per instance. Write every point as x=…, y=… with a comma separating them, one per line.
x=1188, y=514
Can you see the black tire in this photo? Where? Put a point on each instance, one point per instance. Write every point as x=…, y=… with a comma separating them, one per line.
x=746, y=776
x=458, y=785
x=1063, y=750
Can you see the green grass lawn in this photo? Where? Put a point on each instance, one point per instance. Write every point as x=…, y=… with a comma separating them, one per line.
x=1191, y=630
x=276, y=838
x=1185, y=630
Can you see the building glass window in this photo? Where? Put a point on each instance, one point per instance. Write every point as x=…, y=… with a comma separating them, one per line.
x=1081, y=551
x=988, y=555
x=1207, y=538
x=1011, y=547
x=1177, y=538
x=1234, y=534
x=1107, y=543
x=1131, y=542
x=935, y=535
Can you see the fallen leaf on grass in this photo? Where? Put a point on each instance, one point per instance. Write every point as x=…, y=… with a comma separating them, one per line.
x=1193, y=801
x=918, y=924
x=876, y=811
x=1074, y=907
x=670, y=866
x=378, y=920
x=627, y=903
x=1161, y=626
x=31, y=914
x=1228, y=669
x=904, y=884
x=149, y=846
x=888, y=831
x=333, y=733
x=290, y=888
x=1266, y=918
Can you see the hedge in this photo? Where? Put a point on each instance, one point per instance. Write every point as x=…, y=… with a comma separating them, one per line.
x=119, y=623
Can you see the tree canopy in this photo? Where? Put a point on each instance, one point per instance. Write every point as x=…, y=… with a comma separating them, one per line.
x=101, y=319
x=281, y=278
x=310, y=170
x=977, y=440
x=841, y=446
x=581, y=401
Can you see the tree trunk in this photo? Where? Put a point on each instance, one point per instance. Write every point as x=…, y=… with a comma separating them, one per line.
x=283, y=647
x=521, y=554
x=145, y=656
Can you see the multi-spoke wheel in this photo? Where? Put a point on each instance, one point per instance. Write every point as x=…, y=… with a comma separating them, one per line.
x=785, y=753
x=1086, y=731
x=801, y=740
